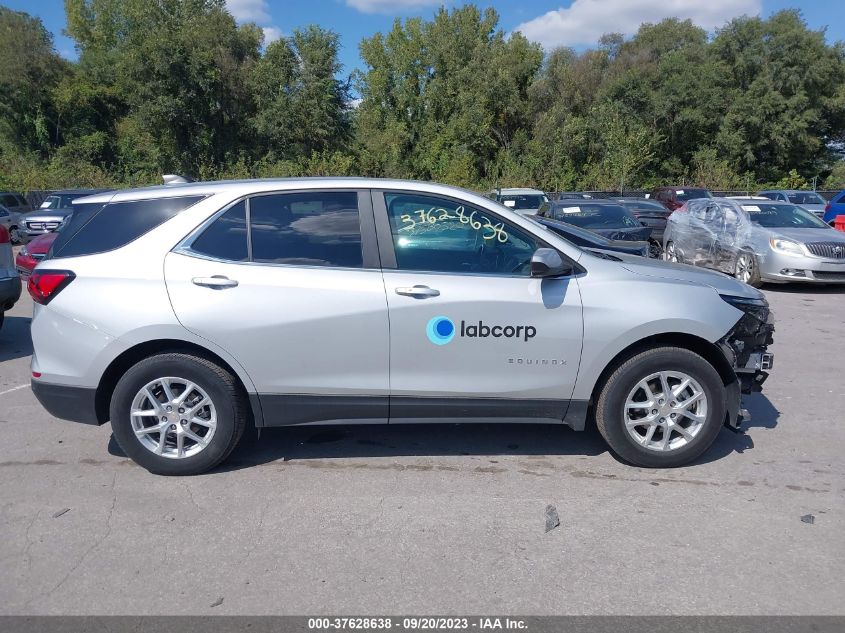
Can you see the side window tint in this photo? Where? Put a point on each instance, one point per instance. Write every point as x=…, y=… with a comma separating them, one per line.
x=9, y=200
x=440, y=235
x=226, y=237
x=97, y=229
x=319, y=228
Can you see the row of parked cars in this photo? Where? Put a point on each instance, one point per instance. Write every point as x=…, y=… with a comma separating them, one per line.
x=36, y=229
x=774, y=236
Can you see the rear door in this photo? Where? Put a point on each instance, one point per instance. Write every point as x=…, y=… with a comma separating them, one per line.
x=289, y=284
x=472, y=335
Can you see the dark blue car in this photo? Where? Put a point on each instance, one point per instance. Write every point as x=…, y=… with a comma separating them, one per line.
x=835, y=207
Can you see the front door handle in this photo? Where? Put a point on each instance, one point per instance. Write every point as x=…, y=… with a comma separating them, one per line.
x=218, y=281
x=419, y=292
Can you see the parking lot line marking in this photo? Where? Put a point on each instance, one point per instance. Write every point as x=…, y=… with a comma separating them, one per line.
x=2, y=393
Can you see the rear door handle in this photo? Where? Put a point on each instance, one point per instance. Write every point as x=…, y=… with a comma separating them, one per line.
x=218, y=281
x=419, y=292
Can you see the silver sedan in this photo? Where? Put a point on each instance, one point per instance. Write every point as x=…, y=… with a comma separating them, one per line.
x=756, y=241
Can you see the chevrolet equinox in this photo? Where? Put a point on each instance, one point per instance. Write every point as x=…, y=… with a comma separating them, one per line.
x=185, y=312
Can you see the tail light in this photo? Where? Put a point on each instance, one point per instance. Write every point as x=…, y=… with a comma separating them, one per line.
x=827, y=207
x=43, y=285
x=4, y=235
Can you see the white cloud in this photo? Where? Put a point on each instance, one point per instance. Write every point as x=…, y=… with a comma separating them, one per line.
x=271, y=34
x=585, y=21
x=257, y=11
x=392, y=6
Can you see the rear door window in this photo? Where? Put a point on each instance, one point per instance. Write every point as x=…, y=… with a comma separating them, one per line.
x=317, y=228
x=226, y=237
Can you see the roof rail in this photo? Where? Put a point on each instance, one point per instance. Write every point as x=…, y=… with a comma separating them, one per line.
x=175, y=179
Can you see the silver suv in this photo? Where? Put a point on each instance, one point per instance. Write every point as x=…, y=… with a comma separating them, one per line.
x=184, y=313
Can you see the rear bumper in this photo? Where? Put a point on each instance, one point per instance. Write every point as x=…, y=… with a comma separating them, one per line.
x=10, y=292
x=76, y=404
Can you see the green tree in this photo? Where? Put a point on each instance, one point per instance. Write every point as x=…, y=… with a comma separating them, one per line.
x=442, y=99
x=29, y=70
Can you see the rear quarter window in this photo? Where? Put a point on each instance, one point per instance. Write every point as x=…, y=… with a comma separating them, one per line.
x=98, y=228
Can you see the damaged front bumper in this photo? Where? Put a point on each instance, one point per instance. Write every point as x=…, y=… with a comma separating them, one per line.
x=746, y=348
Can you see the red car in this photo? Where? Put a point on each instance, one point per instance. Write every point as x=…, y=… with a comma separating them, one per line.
x=29, y=256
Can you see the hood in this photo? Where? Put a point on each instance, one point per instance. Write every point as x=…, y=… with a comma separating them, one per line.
x=681, y=272
x=638, y=234
x=44, y=215
x=809, y=235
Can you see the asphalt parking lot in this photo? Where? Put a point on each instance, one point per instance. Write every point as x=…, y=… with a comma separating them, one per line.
x=393, y=520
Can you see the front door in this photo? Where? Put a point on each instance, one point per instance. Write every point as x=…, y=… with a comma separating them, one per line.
x=282, y=283
x=472, y=335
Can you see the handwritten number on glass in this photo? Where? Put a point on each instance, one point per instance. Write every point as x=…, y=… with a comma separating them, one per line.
x=434, y=215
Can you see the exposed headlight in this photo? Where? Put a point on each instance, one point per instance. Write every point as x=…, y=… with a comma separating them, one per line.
x=755, y=306
x=24, y=251
x=786, y=246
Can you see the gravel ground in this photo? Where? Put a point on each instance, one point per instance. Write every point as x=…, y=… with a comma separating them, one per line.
x=443, y=519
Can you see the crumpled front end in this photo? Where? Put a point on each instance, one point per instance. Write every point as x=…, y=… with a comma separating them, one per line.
x=746, y=348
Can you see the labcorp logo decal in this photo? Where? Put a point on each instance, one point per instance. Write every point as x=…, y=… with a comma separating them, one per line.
x=441, y=330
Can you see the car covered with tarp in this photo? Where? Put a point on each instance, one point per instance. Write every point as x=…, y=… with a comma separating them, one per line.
x=756, y=240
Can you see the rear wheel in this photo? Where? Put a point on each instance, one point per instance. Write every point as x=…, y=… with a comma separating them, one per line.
x=746, y=270
x=661, y=408
x=178, y=414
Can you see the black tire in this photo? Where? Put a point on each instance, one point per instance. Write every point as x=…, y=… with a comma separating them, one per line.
x=14, y=236
x=2, y=319
x=610, y=405
x=221, y=387
x=655, y=250
x=755, y=281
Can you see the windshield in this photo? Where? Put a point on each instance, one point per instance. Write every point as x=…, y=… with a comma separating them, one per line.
x=61, y=201
x=595, y=216
x=805, y=197
x=691, y=194
x=782, y=216
x=523, y=201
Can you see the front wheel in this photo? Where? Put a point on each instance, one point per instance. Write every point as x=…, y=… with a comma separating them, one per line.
x=15, y=235
x=661, y=408
x=655, y=250
x=671, y=253
x=178, y=414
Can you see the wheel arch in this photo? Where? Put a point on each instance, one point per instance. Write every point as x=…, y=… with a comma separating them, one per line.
x=140, y=351
x=704, y=348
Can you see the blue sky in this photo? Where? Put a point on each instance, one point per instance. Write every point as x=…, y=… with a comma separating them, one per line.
x=576, y=23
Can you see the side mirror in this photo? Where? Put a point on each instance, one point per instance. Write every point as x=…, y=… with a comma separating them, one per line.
x=547, y=262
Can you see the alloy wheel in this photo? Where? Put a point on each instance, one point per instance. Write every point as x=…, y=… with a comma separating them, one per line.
x=744, y=267
x=173, y=417
x=665, y=411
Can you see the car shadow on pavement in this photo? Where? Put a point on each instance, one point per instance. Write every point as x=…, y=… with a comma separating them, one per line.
x=299, y=443
x=15, y=339
x=764, y=415
x=409, y=440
